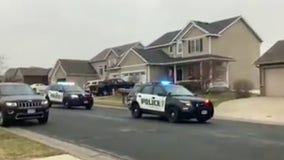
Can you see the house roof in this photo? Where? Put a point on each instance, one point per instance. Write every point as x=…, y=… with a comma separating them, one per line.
x=165, y=38
x=214, y=28
x=34, y=71
x=10, y=73
x=158, y=57
x=77, y=67
x=119, y=50
x=274, y=55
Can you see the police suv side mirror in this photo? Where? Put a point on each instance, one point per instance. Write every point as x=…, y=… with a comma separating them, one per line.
x=169, y=94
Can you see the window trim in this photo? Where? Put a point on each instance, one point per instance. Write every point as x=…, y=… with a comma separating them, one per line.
x=195, y=45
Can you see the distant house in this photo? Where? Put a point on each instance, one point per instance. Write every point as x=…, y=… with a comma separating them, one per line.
x=105, y=61
x=271, y=67
x=201, y=52
x=29, y=75
x=10, y=75
x=78, y=71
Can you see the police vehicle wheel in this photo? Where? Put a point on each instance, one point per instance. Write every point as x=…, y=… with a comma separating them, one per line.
x=202, y=120
x=67, y=104
x=136, y=111
x=3, y=121
x=173, y=115
x=43, y=120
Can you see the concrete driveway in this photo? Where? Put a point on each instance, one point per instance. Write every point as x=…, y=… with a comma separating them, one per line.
x=266, y=110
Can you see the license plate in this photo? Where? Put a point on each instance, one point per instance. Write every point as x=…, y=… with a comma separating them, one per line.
x=86, y=102
x=204, y=112
x=31, y=111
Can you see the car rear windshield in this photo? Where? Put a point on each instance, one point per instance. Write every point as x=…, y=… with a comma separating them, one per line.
x=177, y=90
x=19, y=89
x=73, y=88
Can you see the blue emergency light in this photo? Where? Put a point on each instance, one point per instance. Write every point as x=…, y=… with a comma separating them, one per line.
x=66, y=83
x=166, y=82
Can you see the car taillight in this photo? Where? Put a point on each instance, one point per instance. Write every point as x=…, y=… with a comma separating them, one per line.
x=208, y=103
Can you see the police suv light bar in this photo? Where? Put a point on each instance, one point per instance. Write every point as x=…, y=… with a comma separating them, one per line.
x=66, y=83
x=166, y=82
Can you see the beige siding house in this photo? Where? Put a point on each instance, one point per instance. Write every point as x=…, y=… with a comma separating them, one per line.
x=77, y=71
x=201, y=52
x=271, y=67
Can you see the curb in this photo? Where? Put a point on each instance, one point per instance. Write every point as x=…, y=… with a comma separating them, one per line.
x=74, y=150
x=111, y=107
x=247, y=120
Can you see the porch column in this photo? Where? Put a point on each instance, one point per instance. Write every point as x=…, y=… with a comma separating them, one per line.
x=227, y=73
x=201, y=73
x=175, y=73
x=211, y=71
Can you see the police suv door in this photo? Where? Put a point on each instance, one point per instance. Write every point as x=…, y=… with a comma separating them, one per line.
x=144, y=97
x=55, y=93
x=160, y=95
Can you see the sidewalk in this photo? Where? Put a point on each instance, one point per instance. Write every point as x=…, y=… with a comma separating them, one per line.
x=60, y=157
x=265, y=110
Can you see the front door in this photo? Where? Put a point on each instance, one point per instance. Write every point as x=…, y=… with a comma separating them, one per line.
x=179, y=73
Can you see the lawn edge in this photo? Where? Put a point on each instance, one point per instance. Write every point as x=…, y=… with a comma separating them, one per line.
x=83, y=153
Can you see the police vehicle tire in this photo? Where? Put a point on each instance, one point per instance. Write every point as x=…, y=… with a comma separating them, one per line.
x=89, y=107
x=43, y=120
x=67, y=104
x=173, y=115
x=136, y=111
x=202, y=119
x=3, y=121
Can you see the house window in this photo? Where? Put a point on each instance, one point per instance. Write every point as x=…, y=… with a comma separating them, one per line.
x=101, y=71
x=171, y=49
x=179, y=46
x=195, y=45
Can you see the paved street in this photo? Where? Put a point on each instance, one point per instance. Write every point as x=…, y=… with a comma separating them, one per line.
x=154, y=138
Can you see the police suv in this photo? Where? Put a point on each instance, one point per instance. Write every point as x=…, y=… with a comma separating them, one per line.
x=169, y=100
x=69, y=95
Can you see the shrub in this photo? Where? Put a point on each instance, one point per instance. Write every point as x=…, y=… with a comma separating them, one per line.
x=242, y=88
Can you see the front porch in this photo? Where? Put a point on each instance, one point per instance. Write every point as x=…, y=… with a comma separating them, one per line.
x=201, y=73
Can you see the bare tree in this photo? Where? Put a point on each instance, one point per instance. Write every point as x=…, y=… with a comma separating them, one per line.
x=2, y=64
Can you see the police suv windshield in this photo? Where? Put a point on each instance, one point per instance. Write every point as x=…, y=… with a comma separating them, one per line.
x=177, y=90
x=19, y=89
x=72, y=88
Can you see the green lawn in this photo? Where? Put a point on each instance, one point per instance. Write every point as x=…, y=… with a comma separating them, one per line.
x=117, y=99
x=219, y=98
x=13, y=147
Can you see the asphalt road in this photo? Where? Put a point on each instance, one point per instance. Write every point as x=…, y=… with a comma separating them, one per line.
x=153, y=138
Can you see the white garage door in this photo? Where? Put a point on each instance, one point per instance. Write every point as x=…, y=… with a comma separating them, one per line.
x=134, y=76
x=274, y=82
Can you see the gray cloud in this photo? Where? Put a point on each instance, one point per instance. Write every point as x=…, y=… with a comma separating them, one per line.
x=37, y=32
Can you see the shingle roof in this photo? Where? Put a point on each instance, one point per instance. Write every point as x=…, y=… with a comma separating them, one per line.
x=212, y=28
x=216, y=27
x=77, y=67
x=165, y=39
x=156, y=56
x=274, y=55
x=119, y=50
x=10, y=74
x=34, y=71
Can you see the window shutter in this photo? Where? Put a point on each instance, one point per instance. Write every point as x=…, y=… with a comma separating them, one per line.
x=201, y=45
x=189, y=47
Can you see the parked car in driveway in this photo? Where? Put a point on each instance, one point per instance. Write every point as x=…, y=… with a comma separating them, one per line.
x=171, y=101
x=69, y=94
x=106, y=87
x=90, y=85
x=39, y=88
x=19, y=102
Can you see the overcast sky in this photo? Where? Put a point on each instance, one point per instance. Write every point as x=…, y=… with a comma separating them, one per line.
x=38, y=32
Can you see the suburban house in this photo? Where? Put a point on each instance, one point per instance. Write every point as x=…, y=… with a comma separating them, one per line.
x=78, y=71
x=106, y=60
x=271, y=67
x=29, y=75
x=201, y=52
